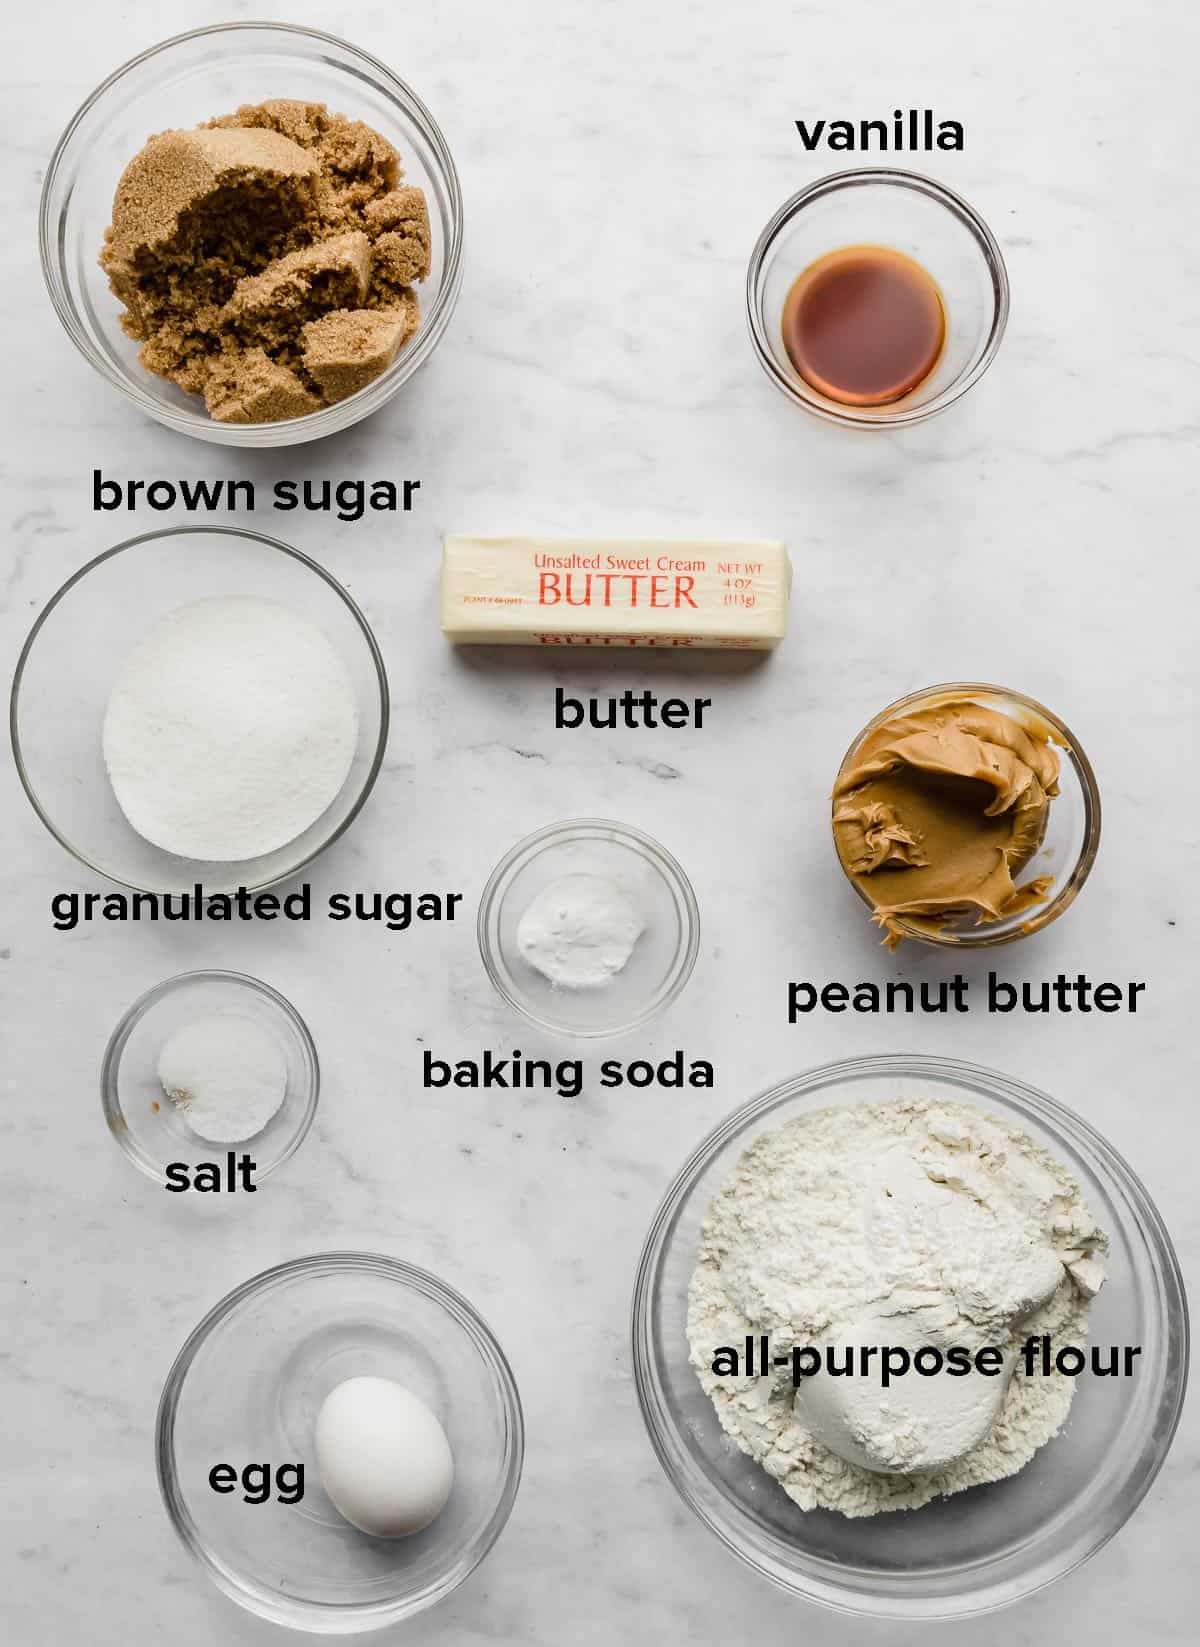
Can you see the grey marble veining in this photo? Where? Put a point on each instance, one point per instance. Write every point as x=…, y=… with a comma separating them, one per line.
x=618, y=162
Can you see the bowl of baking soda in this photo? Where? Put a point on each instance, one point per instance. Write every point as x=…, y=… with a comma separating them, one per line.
x=588, y=927
x=909, y=1337
x=198, y=708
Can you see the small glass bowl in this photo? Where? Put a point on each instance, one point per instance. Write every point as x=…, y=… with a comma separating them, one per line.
x=81, y=638
x=181, y=83
x=247, y=1387
x=978, y=1549
x=662, y=959
x=1072, y=837
x=881, y=206
x=149, y=1127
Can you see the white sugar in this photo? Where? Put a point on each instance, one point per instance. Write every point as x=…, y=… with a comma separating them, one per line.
x=231, y=727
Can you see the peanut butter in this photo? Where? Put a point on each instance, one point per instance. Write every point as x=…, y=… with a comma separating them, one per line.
x=938, y=810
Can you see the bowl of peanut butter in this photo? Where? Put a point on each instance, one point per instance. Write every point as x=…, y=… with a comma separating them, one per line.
x=965, y=814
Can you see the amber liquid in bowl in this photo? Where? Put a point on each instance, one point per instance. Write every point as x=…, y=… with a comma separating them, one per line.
x=864, y=325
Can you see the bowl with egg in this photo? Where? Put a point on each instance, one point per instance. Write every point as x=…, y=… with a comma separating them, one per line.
x=340, y=1442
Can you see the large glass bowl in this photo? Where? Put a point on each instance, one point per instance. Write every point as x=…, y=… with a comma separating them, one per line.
x=181, y=83
x=82, y=636
x=978, y=1549
x=247, y=1387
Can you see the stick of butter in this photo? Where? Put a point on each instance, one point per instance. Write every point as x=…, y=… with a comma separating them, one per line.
x=615, y=592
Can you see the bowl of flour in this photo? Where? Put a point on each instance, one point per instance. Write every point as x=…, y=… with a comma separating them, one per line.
x=934, y=1219
x=199, y=707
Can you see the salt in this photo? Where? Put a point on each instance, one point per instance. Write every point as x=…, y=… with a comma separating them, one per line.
x=225, y=1074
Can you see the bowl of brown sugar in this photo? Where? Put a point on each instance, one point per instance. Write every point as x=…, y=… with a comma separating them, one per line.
x=254, y=232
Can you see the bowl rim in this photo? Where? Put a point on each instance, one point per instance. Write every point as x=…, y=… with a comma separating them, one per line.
x=110, y=1066
x=328, y=419
x=334, y=1618
x=1043, y=1110
x=983, y=935
x=668, y=866
x=849, y=417
x=156, y=537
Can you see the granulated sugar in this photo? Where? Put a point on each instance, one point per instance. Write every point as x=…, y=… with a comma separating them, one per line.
x=230, y=729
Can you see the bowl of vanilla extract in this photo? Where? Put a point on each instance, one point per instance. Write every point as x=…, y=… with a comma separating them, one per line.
x=876, y=298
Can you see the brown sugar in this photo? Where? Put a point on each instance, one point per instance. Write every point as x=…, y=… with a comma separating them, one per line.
x=247, y=386
x=346, y=349
x=267, y=261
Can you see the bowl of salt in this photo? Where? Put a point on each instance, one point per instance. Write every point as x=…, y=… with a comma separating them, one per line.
x=210, y=1081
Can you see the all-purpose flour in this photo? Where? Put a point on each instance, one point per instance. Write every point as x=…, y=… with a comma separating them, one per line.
x=909, y=1223
x=231, y=727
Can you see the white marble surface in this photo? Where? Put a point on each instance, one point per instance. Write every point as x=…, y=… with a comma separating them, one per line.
x=618, y=162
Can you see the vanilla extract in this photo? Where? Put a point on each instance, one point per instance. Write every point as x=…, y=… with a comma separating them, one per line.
x=864, y=325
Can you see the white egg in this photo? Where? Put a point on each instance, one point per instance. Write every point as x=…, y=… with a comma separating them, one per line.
x=383, y=1457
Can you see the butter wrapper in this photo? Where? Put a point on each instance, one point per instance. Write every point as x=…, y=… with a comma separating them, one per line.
x=615, y=592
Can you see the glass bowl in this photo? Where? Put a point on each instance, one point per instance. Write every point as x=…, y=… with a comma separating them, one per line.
x=662, y=959
x=928, y=222
x=184, y=82
x=149, y=1127
x=81, y=639
x=1069, y=846
x=989, y=1545
x=247, y=1387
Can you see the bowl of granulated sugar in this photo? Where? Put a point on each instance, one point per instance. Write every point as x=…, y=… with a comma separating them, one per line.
x=198, y=712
